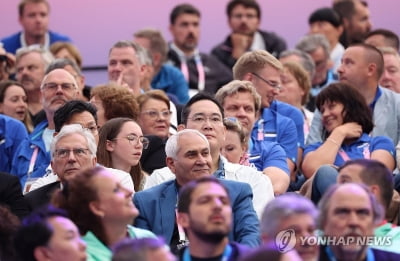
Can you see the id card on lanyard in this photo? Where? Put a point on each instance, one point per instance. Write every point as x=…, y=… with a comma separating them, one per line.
x=29, y=181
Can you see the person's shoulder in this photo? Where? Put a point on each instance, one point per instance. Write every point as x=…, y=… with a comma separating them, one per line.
x=288, y=108
x=43, y=190
x=8, y=178
x=12, y=42
x=55, y=37
x=225, y=46
x=10, y=122
x=156, y=190
x=239, y=250
x=272, y=37
x=136, y=232
x=235, y=186
x=385, y=255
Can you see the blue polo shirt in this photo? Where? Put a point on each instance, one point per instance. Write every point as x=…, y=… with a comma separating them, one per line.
x=358, y=148
x=294, y=114
x=267, y=154
x=273, y=126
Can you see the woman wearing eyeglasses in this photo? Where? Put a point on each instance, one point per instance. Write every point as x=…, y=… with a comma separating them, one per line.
x=155, y=120
x=121, y=143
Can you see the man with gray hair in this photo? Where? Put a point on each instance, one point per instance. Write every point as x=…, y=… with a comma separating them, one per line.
x=317, y=46
x=300, y=57
x=72, y=150
x=291, y=211
x=32, y=157
x=189, y=158
x=349, y=224
x=125, y=65
x=31, y=64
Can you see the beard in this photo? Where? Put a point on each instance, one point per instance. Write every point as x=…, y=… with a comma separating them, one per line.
x=215, y=236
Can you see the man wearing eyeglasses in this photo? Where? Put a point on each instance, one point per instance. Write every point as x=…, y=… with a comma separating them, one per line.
x=33, y=156
x=278, y=121
x=205, y=114
x=244, y=18
x=72, y=150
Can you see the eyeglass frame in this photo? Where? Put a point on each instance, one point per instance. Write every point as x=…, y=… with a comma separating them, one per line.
x=68, y=152
x=144, y=140
x=207, y=117
x=147, y=112
x=272, y=84
x=45, y=87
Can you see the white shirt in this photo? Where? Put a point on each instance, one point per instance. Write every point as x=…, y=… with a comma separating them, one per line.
x=50, y=177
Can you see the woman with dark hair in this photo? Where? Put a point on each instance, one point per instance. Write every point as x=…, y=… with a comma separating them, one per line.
x=347, y=122
x=13, y=102
x=102, y=209
x=121, y=143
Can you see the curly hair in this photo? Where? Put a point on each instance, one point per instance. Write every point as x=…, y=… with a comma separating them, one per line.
x=117, y=101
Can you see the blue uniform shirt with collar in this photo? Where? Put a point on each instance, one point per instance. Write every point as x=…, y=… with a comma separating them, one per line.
x=278, y=128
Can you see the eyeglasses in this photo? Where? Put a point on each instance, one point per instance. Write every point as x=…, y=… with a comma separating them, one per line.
x=133, y=140
x=247, y=16
x=52, y=86
x=274, y=85
x=155, y=114
x=201, y=119
x=93, y=129
x=78, y=152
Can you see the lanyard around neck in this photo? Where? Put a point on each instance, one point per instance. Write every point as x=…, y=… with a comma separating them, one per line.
x=185, y=70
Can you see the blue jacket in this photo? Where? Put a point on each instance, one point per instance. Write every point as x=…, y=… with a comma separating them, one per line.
x=23, y=155
x=12, y=133
x=13, y=42
x=171, y=80
x=156, y=206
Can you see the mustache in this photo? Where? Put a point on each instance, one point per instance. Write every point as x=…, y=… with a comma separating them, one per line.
x=26, y=78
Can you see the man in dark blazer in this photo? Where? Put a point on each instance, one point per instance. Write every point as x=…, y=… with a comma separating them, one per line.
x=188, y=157
x=11, y=195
